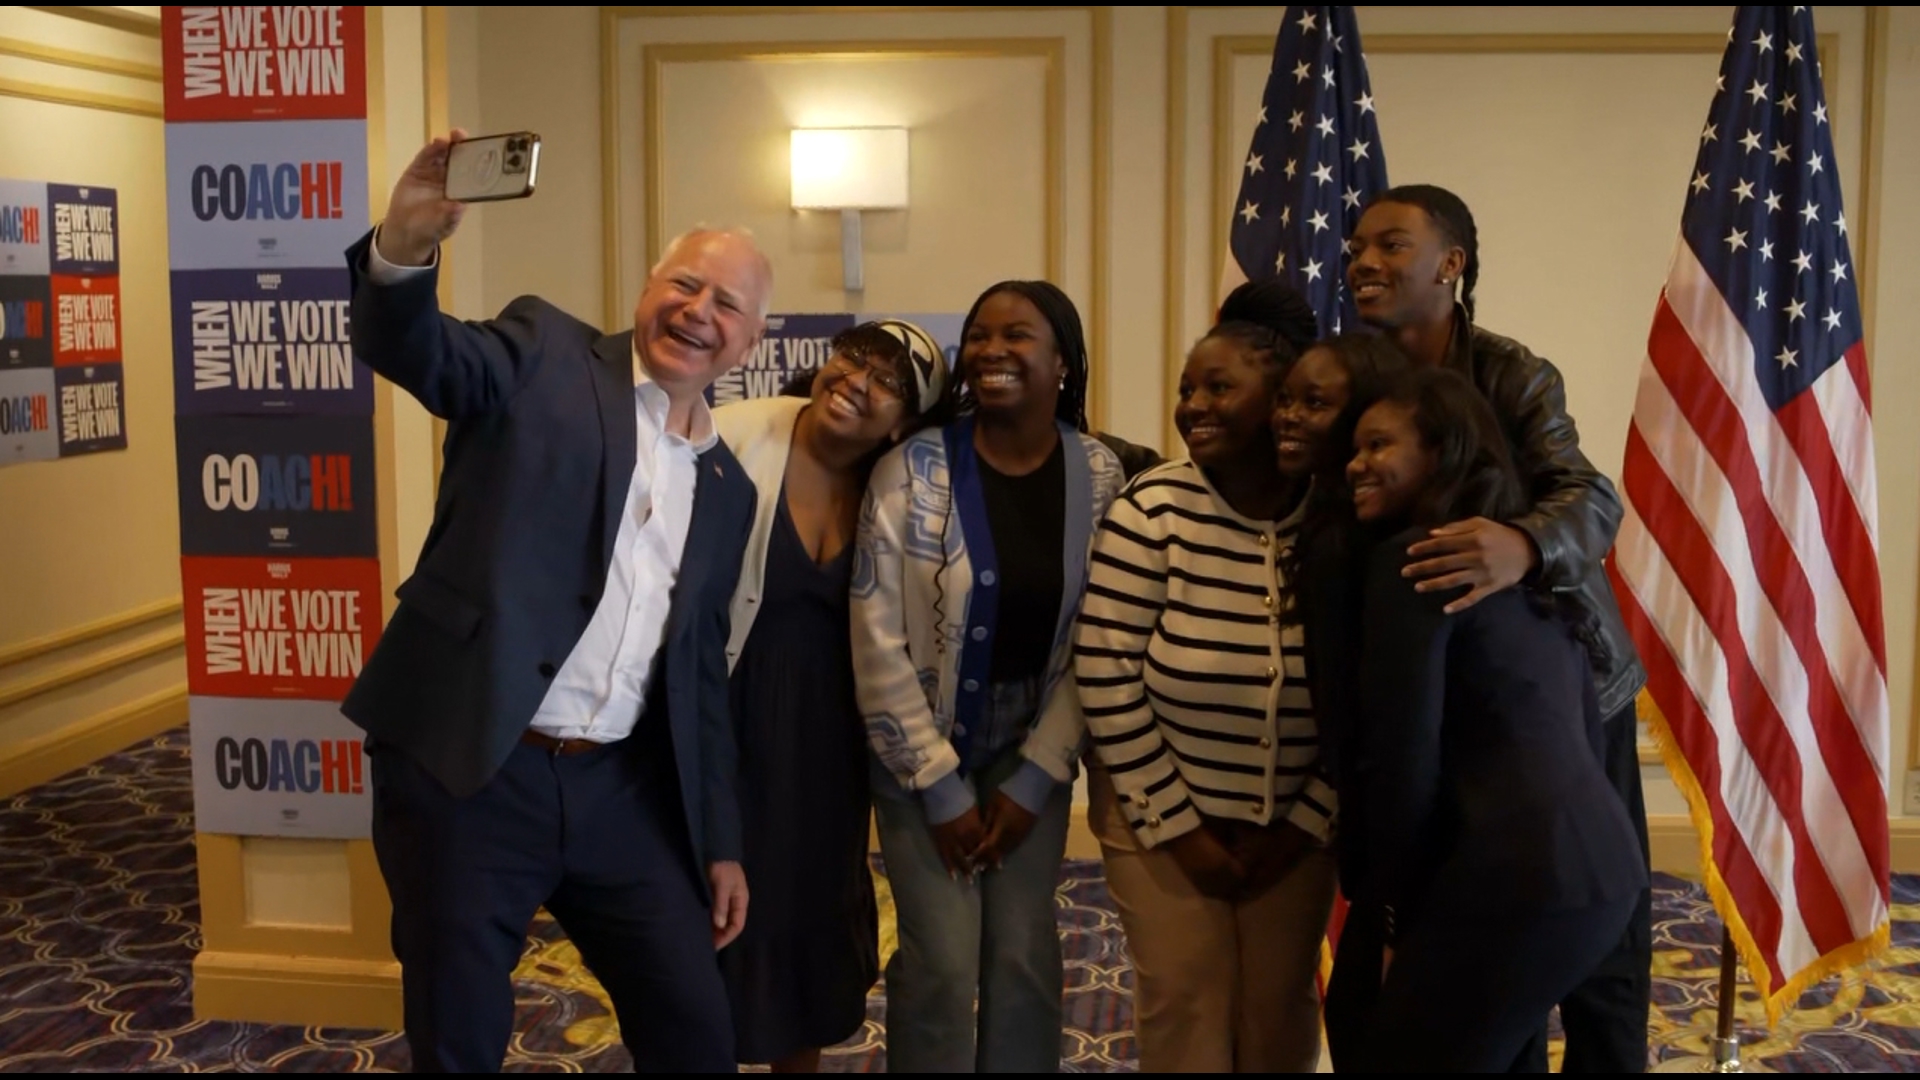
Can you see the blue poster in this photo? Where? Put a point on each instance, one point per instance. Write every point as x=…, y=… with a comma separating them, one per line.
x=265, y=342
x=25, y=322
x=84, y=224
x=259, y=195
x=23, y=227
x=276, y=485
x=793, y=344
x=27, y=416
x=93, y=408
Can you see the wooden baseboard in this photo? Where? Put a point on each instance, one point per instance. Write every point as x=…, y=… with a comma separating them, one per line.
x=86, y=741
x=304, y=990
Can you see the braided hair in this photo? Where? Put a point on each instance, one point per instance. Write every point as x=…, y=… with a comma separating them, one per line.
x=1455, y=222
x=1273, y=352
x=1064, y=319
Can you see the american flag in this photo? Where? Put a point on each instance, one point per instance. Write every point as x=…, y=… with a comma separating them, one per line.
x=1747, y=563
x=1314, y=164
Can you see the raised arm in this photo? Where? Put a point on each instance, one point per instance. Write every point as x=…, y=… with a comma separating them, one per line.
x=454, y=369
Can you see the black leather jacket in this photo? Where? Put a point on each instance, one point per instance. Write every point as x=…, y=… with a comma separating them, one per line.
x=1576, y=511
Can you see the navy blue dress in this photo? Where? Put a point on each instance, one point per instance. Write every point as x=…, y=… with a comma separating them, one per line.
x=799, y=974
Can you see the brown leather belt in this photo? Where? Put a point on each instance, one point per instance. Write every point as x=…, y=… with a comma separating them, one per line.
x=559, y=746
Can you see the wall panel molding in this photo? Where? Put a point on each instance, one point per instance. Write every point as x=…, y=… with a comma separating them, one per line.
x=85, y=633
x=617, y=298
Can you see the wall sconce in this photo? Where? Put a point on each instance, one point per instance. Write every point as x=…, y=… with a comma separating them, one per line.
x=850, y=170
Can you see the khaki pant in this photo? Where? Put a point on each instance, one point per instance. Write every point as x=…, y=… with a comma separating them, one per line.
x=1218, y=986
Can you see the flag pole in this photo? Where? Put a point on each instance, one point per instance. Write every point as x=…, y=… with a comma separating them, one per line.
x=1726, y=1046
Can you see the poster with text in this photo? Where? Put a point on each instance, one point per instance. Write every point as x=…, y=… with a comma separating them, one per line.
x=278, y=768
x=278, y=627
x=23, y=227
x=93, y=408
x=27, y=416
x=265, y=341
x=24, y=322
x=793, y=344
x=269, y=196
x=86, y=230
x=276, y=486
x=86, y=319
x=264, y=63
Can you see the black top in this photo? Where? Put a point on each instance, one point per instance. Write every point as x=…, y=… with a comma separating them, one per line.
x=1466, y=748
x=1028, y=517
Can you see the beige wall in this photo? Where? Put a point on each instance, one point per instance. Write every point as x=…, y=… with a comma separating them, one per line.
x=1570, y=141
x=89, y=622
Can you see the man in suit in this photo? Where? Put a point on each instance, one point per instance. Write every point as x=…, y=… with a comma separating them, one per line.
x=547, y=710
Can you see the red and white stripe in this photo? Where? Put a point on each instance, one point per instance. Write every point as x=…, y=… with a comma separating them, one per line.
x=1747, y=569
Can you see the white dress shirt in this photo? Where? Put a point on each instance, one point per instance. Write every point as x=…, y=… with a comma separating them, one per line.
x=598, y=693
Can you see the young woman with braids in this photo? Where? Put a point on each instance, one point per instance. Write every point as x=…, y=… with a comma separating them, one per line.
x=1210, y=805
x=970, y=563
x=1489, y=862
x=1414, y=261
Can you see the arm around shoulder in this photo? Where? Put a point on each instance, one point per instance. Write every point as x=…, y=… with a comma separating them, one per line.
x=1576, y=510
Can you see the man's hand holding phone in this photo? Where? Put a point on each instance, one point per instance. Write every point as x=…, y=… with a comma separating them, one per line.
x=419, y=214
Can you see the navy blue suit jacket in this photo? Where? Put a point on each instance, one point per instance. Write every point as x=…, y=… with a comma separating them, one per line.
x=540, y=451
x=1466, y=749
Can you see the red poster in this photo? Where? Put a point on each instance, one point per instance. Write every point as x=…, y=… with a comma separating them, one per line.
x=264, y=63
x=86, y=320
x=279, y=628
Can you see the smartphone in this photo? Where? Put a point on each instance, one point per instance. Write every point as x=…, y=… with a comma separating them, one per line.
x=493, y=167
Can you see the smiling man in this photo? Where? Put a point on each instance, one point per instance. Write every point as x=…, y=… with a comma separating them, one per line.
x=547, y=710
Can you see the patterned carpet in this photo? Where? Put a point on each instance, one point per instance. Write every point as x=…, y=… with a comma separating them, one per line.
x=99, y=923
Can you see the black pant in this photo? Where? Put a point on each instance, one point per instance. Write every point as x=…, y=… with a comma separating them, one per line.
x=1467, y=988
x=597, y=839
x=1605, y=1017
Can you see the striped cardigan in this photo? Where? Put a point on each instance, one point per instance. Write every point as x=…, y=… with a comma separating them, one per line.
x=1194, y=694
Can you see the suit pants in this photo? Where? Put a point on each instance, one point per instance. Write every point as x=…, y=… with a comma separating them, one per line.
x=1218, y=986
x=1468, y=988
x=597, y=838
x=1605, y=1018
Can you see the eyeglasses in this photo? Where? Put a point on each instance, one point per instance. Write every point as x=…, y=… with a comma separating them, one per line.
x=877, y=373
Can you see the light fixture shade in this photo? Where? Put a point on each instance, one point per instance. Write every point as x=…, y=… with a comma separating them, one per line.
x=849, y=168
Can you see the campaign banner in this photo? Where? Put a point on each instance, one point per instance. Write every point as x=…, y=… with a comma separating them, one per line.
x=265, y=341
x=27, y=416
x=25, y=322
x=278, y=627
x=264, y=63
x=247, y=195
x=86, y=319
x=23, y=227
x=93, y=408
x=276, y=486
x=793, y=344
x=85, y=238
x=278, y=768
x=796, y=344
